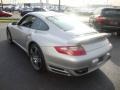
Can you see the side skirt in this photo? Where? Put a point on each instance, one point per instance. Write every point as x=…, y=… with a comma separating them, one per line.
x=20, y=46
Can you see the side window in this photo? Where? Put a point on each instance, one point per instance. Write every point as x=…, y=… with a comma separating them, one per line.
x=27, y=21
x=39, y=25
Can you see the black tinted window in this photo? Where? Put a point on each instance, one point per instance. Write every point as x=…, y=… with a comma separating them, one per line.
x=39, y=25
x=111, y=12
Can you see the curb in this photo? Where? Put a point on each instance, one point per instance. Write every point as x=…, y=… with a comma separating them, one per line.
x=8, y=20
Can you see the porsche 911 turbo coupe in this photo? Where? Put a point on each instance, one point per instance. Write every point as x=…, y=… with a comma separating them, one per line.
x=60, y=43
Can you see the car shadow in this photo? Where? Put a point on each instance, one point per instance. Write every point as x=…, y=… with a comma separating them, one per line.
x=16, y=73
x=115, y=53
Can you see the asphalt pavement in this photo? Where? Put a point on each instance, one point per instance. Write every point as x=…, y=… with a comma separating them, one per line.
x=16, y=72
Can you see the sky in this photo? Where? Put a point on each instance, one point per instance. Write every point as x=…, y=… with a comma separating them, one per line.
x=64, y=2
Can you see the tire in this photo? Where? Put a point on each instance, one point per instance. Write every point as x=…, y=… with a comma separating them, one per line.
x=36, y=58
x=9, y=37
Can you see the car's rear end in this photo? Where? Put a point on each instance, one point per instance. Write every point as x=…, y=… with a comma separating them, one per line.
x=97, y=49
x=82, y=55
x=108, y=20
x=77, y=49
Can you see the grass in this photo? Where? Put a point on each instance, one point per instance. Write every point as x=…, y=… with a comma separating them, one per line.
x=8, y=20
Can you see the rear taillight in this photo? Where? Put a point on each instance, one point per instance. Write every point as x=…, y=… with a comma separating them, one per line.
x=100, y=19
x=71, y=50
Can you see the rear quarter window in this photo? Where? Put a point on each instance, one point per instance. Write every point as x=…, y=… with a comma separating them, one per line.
x=40, y=25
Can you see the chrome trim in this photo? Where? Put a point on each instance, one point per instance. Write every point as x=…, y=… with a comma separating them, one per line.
x=58, y=71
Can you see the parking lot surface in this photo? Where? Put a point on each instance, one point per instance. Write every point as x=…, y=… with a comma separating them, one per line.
x=16, y=72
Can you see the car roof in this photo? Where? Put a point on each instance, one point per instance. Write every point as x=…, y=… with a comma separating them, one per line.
x=46, y=14
x=107, y=8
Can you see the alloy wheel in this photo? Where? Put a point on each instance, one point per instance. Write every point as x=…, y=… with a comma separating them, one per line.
x=35, y=58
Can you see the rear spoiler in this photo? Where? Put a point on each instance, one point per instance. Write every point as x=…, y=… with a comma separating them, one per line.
x=89, y=38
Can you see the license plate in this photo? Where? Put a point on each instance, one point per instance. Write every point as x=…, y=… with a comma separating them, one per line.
x=113, y=23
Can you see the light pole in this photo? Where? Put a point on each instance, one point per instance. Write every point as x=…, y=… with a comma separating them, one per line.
x=59, y=5
x=41, y=4
x=2, y=4
x=47, y=3
x=107, y=2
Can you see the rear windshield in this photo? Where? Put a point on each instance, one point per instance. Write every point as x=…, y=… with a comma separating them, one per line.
x=61, y=22
x=68, y=23
x=111, y=12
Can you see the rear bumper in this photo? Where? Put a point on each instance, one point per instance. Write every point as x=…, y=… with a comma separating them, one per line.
x=76, y=66
x=95, y=64
x=109, y=29
x=101, y=61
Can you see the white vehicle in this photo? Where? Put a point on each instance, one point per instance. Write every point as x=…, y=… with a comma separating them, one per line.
x=60, y=43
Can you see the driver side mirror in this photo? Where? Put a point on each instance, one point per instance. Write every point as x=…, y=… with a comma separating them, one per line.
x=14, y=23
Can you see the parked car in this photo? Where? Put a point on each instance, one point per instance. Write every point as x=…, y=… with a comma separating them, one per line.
x=86, y=11
x=25, y=11
x=106, y=20
x=9, y=9
x=39, y=9
x=60, y=43
x=28, y=10
x=5, y=14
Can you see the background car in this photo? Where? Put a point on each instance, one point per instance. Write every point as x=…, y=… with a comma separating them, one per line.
x=106, y=20
x=35, y=9
x=39, y=9
x=60, y=43
x=5, y=14
x=25, y=10
x=9, y=9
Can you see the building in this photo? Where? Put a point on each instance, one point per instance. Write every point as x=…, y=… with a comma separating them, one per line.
x=114, y=2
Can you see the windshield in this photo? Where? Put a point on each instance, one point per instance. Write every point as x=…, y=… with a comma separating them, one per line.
x=68, y=23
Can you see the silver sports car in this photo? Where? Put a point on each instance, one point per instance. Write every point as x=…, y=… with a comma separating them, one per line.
x=60, y=43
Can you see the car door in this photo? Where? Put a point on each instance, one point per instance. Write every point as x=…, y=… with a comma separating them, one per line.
x=23, y=30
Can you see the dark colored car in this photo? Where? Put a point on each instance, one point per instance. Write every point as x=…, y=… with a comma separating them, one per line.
x=5, y=14
x=39, y=9
x=106, y=20
x=9, y=9
x=25, y=11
